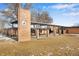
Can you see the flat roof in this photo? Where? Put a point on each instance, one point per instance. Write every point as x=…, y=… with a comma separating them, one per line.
x=39, y=23
x=73, y=27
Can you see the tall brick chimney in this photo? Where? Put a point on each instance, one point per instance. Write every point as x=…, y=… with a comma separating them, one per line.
x=24, y=24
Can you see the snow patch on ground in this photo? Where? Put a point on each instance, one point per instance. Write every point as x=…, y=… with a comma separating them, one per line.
x=5, y=38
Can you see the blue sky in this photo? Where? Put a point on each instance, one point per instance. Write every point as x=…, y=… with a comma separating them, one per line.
x=2, y=6
x=65, y=14
x=62, y=13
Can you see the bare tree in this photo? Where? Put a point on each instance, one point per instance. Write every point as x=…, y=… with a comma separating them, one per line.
x=10, y=13
x=45, y=17
x=28, y=5
x=41, y=16
x=33, y=15
x=2, y=25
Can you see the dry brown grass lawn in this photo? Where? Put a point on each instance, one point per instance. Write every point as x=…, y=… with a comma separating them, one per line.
x=57, y=46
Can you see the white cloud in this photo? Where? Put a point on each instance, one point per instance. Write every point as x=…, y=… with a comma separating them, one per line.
x=63, y=6
x=71, y=14
x=60, y=6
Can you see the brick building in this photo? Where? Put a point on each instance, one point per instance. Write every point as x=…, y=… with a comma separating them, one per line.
x=72, y=30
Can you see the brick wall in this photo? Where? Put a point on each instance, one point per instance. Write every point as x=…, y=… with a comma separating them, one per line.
x=24, y=22
x=72, y=30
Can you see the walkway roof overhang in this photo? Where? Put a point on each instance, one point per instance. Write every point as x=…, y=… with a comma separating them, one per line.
x=73, y=27
x=38, y=23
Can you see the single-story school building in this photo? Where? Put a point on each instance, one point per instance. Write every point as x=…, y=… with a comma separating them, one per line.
x=26, y=29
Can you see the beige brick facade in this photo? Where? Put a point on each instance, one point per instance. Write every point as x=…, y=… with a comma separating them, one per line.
x=24, y=24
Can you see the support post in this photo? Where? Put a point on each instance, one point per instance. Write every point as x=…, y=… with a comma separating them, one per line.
x=64, y=31
x=54, y=31
x=47, y=34
x=37, y=33
x=59, y=31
